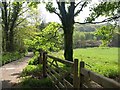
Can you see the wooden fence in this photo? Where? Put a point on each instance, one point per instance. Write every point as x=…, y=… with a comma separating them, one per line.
x=87, y=78
x=64, y=74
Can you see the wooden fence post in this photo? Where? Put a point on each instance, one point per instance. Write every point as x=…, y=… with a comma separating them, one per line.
x=40, y=56
x=75, y=73
x=119, y=69
x=44, y=64
x=82, y=65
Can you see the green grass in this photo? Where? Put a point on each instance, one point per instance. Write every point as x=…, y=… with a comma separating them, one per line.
x=9, y=57
x=30, y=82
x=32, y=70
x=34, y=59
x=31, y=77
x=101, y=60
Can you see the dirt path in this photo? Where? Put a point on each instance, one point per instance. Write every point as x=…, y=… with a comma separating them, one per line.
x=11, y=71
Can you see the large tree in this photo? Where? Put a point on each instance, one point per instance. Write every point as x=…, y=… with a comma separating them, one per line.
x=11, y=11
x=67, y=11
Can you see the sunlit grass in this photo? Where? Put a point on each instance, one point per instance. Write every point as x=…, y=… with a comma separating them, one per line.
x=101, y=60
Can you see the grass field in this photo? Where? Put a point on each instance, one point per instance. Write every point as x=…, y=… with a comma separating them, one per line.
x=101, y=60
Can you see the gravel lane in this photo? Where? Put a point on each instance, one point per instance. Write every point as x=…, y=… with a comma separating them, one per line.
x=10, y=72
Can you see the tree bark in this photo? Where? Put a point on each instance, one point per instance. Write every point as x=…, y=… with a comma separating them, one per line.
x=11, y=43
x=68, y=44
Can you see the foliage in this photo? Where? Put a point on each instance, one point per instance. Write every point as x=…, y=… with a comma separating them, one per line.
x=104, y=9
x=98, y=59
x=10, y=14
x=80, y=39
x=90, y=36
x=32, y=70
x=77, y=37
x=106, y=34
x=48, y=39
x=9, y=57
x=34, y=59
x=29, y=82
x=31, y=77
x=33, y=4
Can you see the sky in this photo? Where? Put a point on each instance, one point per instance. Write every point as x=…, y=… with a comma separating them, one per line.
x=48, y=17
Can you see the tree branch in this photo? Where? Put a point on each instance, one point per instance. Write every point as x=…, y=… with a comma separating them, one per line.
x=58, y=3
x=23, y=12
x=14, y=16
x=77, y=4
x=106, y=20
x=80, y=9
x=20, y=22
x=61, y=6
x=57, y=14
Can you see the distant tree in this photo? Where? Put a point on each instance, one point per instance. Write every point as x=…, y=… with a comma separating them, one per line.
x=89, y=35
x=76, y=38
x=106, y=33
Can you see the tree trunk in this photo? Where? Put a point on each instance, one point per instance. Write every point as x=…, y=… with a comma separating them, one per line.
x=3, y=41
x=11, y=43
x=68, y=44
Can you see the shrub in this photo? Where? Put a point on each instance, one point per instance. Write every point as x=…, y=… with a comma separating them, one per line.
x=30, y=82
x=32, y=70
x=32, y=78
x=34, y=59
x=9, y=57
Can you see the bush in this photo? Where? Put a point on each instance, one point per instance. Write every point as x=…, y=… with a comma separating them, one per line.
x=9, y=57
x=32, y=70
x=34, y=59
x=30, y=82
x=32, y=78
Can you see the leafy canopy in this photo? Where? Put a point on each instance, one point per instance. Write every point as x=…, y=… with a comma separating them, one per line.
x=48, y=39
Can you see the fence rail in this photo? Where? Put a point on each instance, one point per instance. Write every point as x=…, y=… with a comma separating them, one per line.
x=69, y=77
x=99, y=79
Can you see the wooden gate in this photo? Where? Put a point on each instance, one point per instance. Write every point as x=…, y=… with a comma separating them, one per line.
x=64, y=75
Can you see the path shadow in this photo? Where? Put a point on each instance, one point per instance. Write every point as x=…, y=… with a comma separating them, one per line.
x=18, y=74
x=6, y=84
